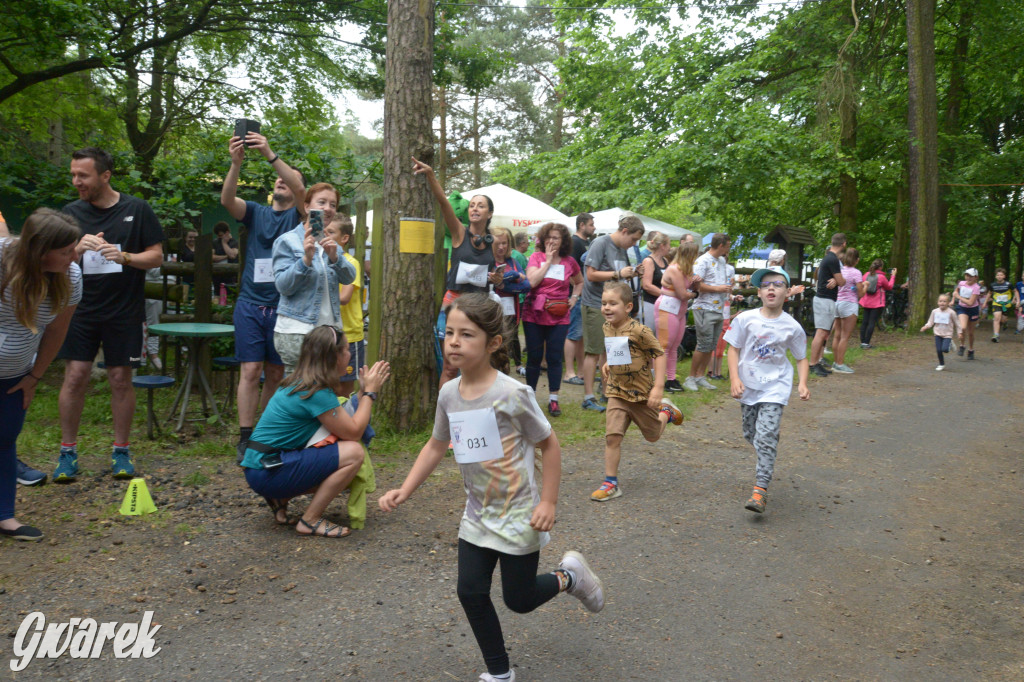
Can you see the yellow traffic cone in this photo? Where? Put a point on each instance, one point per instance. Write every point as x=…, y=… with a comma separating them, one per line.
x=137, y=500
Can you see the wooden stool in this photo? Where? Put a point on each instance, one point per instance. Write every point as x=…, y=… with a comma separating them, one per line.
x=149, y=382
x=231, y=364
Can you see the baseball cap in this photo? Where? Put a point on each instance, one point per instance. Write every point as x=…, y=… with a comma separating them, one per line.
x=755, y=279
x=973, y=272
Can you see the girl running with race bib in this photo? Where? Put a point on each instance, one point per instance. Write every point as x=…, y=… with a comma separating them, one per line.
x=494, y=424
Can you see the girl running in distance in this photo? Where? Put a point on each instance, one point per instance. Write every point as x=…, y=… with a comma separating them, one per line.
x=494, y=424
x=966, y=297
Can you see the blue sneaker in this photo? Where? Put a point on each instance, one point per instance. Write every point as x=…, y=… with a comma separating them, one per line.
x=67, y=466
x=121, y=462
x=591, y=404
x=29, y=476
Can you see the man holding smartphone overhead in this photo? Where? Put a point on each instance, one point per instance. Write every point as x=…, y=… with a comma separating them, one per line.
x=256, y=308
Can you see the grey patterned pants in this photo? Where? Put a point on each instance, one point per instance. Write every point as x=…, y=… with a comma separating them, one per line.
x=761, y=425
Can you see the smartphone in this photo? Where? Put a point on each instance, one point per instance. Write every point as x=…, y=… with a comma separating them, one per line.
x=272, y=461
x=316, y=223
x=244, y=126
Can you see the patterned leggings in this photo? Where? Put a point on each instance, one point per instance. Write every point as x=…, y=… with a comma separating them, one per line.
x=761, y=424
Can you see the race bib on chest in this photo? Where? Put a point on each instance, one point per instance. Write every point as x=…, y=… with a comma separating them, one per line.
x=942, y=318
x=508, y=306
x=670, y=305
x=263, y=270
x=1003, y=297
x=471, y=274
x=475, y=436
x=95, y=264
x=760, y=373
x=617, y=349
x=556, y=272
x=966, y=293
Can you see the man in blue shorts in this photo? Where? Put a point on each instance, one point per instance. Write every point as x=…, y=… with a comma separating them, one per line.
x=121, y=239
x=256, y=308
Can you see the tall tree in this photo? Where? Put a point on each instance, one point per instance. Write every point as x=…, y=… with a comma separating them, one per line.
x=406, y=340
x=923, y=165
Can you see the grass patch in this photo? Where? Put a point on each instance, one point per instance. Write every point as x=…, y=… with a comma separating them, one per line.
x=196, y=479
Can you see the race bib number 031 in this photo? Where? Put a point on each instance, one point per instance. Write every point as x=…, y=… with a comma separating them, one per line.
x=475, y=436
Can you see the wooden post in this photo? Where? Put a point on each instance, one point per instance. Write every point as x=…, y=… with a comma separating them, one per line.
x=376, y=277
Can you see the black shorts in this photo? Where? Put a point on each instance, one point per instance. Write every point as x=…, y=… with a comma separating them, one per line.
x=121, y=341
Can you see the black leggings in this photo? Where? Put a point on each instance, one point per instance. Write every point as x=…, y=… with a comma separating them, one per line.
x=522, y=589
x=867, y=325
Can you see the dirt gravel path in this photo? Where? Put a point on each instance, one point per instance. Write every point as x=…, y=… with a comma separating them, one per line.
x=890, y=551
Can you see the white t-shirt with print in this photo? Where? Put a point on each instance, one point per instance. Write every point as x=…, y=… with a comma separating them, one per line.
x=714, y=272
x=500, y=493
x=762, y=343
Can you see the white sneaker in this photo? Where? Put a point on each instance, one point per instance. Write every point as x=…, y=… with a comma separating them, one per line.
x=487, y=677
x=827, y=352
x=587, y=586
x=704, y=383
x=939, y=368
x=690, y=384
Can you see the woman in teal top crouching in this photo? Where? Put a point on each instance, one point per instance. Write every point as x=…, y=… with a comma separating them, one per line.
x=282, y=460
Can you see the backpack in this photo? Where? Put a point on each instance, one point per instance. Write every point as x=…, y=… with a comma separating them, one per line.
x=872, y=282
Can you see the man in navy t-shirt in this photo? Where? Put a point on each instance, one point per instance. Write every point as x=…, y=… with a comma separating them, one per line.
x=256, y=308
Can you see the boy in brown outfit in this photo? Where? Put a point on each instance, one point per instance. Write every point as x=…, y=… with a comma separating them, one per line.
x=633, y=395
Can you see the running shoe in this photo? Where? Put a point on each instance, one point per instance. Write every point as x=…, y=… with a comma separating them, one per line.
x=67, y=466
x=121, y=463
x=487, y=677
x=607, y=491
x=690, y=384
x=586, y=586
x=704, y=383
x=553, y=409
x=970, y=355
x=995, y=339
x=866, y=346
x=826, y=364
x=960, y=351
x=26, y=475
x=757, y=500
x=675, y=415
x=575, y=381
x=842, y=369
x=591, y=404
x=939, y=368
x=818, y=370
x=673, y=386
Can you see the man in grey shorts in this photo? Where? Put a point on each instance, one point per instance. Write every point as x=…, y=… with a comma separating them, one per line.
x=708, y=308
x=830, y=279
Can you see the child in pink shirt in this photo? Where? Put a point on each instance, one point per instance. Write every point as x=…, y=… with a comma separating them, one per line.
x=944, y=321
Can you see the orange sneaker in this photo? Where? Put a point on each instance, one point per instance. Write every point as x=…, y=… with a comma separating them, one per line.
x=757, y=500
x=607, y=491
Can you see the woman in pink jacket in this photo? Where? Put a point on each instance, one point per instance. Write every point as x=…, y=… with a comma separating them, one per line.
x=873, y=302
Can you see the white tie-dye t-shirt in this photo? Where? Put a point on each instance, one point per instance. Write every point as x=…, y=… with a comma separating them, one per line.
x=762, y=343
x=501, y=493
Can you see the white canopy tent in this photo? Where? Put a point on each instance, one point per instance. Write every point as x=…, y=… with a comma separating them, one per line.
x=607, y=221
x=514, y=210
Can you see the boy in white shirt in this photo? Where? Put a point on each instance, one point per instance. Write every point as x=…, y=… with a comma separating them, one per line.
x=760, y=373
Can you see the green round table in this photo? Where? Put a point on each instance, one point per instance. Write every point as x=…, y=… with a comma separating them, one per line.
x=197, y=335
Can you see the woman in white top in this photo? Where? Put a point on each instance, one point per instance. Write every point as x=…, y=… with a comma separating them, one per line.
x=40, y=286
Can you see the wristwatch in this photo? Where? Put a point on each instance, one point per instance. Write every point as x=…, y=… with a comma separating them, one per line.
x=127, y=257
x=372, y=395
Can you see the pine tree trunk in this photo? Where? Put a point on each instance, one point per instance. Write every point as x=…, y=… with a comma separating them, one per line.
x=406, y=339
x=925, y=273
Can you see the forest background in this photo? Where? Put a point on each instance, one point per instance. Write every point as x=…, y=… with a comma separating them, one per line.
x=734, y=116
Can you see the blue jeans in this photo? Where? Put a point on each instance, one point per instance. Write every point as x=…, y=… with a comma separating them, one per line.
x=537, y=335
x=12, y=417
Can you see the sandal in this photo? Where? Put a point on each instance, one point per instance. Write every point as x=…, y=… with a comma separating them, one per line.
x=275, y=507
x=326, y=533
